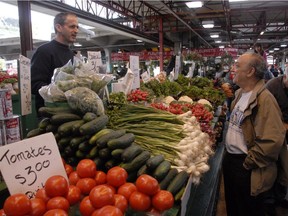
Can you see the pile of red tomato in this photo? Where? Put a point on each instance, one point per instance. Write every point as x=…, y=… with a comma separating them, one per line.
x=95, y=192
x=138, y=95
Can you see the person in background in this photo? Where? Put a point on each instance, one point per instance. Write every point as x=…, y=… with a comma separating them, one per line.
x=259, y=50
x=254, y=139
x=53, y=54
x=279, y=88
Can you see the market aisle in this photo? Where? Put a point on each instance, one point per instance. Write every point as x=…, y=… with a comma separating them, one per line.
x=221, y=206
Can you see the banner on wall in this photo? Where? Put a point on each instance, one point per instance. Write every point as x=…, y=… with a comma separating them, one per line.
x=154, y=55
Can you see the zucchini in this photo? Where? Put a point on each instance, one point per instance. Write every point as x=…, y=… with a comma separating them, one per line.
x=122, y=142
x=44, y=123
x=65, y=129
x=178, y=182
x=51, y=128
x=93, y=152
x=111, y=163
x=50, y=111
x=89, y=116
x=116, y=153
x=64, y=141
x=84, y=146
x=154, y=161
x=76, y=126
x=75, y=142
x=137, y=162
x=142, y=170
x=61, y=118
x=162, y=170
x=34, y=132
x=102, y=141
x=131, y=152
x=97, y=135
x=94, y=126
x=80, y=154
x=99, y=162
x=104, y=153
x=168, y=178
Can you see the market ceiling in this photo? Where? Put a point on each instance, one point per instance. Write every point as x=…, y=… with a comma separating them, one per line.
x=238, y=23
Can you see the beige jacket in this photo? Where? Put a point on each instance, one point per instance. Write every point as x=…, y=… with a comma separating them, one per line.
x=264, y=134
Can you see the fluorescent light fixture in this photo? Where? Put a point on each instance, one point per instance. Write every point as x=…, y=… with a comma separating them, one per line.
x=215, y=35
x=194, y=4
x=140, y=41
x=276, y=48
x=283, y=45
x=262, y=32
x=208, y=24
x=271, y=51
x=221, y=47
x=77, y=44
x=218, y=41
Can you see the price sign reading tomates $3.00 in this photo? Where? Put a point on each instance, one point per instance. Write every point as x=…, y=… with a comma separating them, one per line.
x=27, y=164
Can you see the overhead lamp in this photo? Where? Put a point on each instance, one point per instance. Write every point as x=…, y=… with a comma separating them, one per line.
x=271, y=51
x=214, y=35
x=262, y=32
x=208, y=24
x=283, y=45
x=218, y=41
x=139, y=41
x=221, y=47
x=276, y=48
x=194, y=4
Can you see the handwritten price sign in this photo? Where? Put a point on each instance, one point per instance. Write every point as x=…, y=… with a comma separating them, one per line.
x=27, y=164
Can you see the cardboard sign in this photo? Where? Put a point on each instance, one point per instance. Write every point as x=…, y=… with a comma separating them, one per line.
x=25, y=85
x=134, y=66
x=145, y=77
x=27, y=164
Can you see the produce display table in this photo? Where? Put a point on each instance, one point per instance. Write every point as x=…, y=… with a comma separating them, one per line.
x=201, y=200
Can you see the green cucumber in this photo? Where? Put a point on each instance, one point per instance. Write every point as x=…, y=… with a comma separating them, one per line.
x=104, y=153
x=61, y=118
x=142, y=170
x=76, y=126
x=44, y=123
x=84, y=146
x=168, y=178
x=154, y=161
x=162, y=170
x=34, y=132
x=102, y=141
x=94, y=126
x=65, y=129
x=93, y=152
x=89, y=116
x=50, y=111
x=178, y=182
x=97, y=135
x=116, y=153
x=131, y=152
x=122, y=142
x=137, y=162
x=75, y=141
x=51, y=128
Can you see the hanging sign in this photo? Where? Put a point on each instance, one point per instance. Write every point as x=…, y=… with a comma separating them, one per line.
x=27, y=164
x=25, y=85
x=95, y=59
x=134, y=66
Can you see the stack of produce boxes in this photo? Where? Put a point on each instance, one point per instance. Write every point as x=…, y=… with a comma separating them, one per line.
x=10, y=129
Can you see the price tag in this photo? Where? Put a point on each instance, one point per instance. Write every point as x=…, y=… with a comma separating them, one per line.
x=25, y=85
x=27, y=164
x=145, y=77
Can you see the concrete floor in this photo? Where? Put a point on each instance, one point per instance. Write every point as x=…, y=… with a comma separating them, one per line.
x=221, y=207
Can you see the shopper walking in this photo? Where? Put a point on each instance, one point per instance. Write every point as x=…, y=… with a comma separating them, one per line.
x=258, y=48
x=254, y=139
x=53, y=54
x=279, y=88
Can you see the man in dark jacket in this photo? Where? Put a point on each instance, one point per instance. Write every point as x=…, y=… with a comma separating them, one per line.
x=53, y=54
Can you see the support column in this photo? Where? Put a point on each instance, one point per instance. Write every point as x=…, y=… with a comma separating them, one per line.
x=24, y=11
x=108, y=59
x=161, y=56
